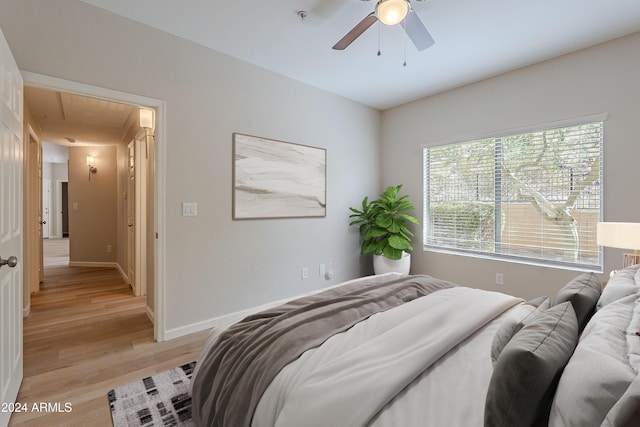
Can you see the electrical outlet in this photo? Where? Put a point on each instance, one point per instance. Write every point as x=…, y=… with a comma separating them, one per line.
x=304, y=273
x=499, y=279
x=321, y=270
x=108, y=248
x=329, y=272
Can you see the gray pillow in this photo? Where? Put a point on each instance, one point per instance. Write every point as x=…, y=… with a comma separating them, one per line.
x=583, y=292
x=514, y=321
x=598, y=374
x=527, y=371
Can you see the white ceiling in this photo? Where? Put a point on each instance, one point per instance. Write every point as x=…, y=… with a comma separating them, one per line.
x=474, y=39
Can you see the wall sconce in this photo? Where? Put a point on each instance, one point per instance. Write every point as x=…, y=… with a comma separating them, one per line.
x=92, y=169
x=146, y=122
x=146, y=118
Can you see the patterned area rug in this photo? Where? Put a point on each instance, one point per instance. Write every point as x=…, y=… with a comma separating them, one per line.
x=161, y=400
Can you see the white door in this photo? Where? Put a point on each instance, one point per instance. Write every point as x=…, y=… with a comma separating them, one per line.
x=11, y=157
x=46, y=204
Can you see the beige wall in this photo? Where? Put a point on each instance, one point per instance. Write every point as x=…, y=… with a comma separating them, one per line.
x=601, y=79
x=214, y=265
x=93, y=205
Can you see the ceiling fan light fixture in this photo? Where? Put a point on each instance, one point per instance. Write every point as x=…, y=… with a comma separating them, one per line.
x=391, y=12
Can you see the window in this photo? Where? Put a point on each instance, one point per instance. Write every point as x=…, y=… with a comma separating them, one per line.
x=530, y=196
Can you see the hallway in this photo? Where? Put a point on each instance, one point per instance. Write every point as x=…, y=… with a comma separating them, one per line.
x=55, y=252
x=87, y=334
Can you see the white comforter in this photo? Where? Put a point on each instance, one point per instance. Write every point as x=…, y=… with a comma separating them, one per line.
x=355, y=374
x=425, y=363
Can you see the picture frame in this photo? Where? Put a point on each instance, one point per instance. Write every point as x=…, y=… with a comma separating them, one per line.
x=277, y=179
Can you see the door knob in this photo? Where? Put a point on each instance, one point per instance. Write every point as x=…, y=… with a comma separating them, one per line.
x=11, y=261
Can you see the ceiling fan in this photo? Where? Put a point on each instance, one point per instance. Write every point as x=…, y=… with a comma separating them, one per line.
x=391, y=12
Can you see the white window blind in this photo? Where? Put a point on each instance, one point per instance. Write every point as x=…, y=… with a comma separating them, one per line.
x=533, y=196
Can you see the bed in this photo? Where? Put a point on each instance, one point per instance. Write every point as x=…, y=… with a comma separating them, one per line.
x=395, y=350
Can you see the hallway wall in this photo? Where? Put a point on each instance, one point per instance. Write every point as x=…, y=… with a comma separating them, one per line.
x=93, y=206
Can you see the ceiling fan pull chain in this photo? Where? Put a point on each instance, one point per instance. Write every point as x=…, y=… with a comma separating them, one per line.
x=404, y=43
x=379, y=53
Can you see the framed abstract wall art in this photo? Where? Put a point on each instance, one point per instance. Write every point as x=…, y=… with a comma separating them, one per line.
x=276, y=179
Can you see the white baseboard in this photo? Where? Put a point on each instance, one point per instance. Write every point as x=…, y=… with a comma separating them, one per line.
x=122, y=273
x=93, y=264
x=26, y=311
x=230, y=317
x=151, y=315
x=205, y=324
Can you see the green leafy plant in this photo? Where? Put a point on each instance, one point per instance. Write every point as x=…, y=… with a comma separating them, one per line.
x=382, y=224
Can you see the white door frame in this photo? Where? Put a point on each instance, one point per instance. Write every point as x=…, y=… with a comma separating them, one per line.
x=33, y=241
x=141, y=228
x=160, y=106
x=131, y=216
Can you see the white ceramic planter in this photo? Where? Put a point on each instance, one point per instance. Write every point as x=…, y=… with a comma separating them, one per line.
x=383, y=265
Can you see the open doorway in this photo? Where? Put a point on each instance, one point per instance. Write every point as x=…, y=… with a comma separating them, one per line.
x=54, y=174
x=156, y=153
x=87, y=221
x=76, y=129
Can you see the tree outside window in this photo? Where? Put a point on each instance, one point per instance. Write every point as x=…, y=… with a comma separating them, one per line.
x=533, y=196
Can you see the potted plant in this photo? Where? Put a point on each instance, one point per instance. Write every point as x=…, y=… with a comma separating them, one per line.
x=382, y=223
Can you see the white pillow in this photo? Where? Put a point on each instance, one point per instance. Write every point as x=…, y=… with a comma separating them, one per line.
x=624, y=283
x=514, y=321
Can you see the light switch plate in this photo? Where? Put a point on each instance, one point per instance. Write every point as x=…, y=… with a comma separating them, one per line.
x=189, y=209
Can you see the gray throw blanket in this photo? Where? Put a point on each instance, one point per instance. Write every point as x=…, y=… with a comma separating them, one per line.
x=240, y=366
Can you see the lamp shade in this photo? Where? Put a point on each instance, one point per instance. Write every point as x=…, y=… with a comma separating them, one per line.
x=391, y=12
x=146, y=118
x=625, y=235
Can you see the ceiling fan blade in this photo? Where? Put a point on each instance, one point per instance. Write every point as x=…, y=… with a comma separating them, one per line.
x=356, y=31
x=417, y=32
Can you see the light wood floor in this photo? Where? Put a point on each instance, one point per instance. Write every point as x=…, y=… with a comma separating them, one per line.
x=86, y=335
x=56, y=252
